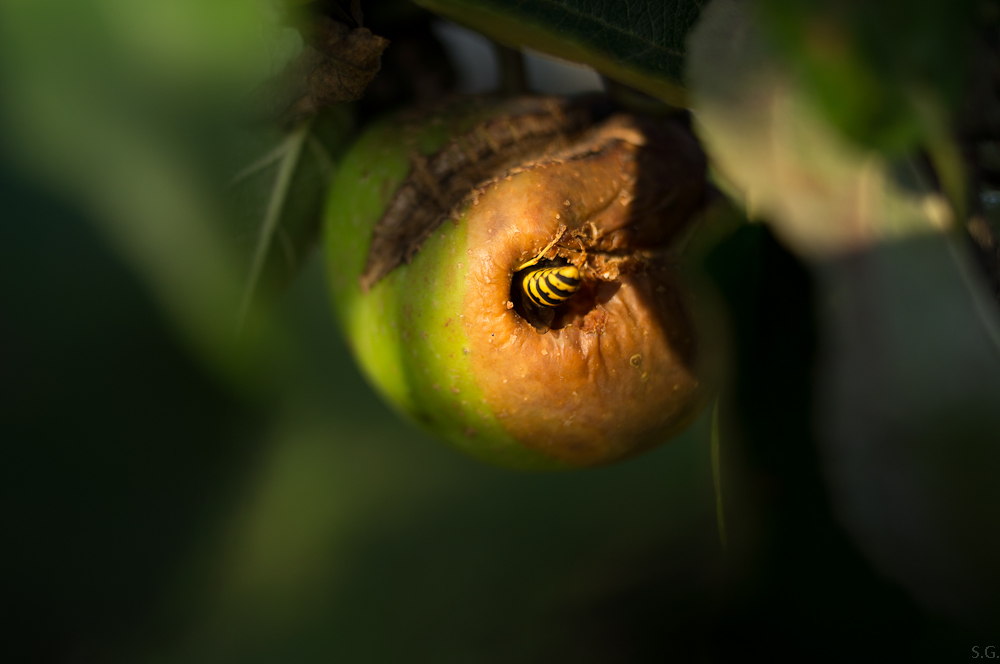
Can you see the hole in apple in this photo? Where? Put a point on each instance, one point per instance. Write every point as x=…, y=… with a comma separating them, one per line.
x=578, y=311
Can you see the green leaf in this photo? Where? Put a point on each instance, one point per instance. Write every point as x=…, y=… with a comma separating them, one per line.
x=638, y=43
x=279, y=195
x=122, y=108
x=125, y=109
x=774, y=147
x=871, y=66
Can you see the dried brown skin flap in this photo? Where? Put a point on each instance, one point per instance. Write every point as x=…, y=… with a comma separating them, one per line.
x=617, y=372
x=336, y=66
x=439, y=184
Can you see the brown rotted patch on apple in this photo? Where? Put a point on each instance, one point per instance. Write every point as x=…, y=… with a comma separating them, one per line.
x=613, y=372
x=524, y=128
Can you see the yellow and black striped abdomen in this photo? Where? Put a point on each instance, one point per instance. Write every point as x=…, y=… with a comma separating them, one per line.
x=551, y=286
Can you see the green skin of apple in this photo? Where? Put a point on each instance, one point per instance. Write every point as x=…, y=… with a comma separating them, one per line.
x=405, y=332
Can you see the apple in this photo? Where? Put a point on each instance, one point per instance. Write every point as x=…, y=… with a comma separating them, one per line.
x=435, y=219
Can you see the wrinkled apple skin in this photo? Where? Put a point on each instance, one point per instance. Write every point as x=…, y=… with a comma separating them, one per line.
x=438, y=340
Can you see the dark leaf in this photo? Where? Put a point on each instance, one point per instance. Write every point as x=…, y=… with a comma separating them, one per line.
x=908, y=419
x=641, y=44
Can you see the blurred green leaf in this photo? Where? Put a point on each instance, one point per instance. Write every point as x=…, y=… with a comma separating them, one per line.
x=641, y=44
x=873, y=68
x=279, y=195
x=908, y=358
x=122, y=106
x=822, y=192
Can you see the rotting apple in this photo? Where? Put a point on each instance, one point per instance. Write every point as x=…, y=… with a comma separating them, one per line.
x=432, y=223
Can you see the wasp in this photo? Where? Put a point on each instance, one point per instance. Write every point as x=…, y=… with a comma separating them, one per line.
x=551, y=286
